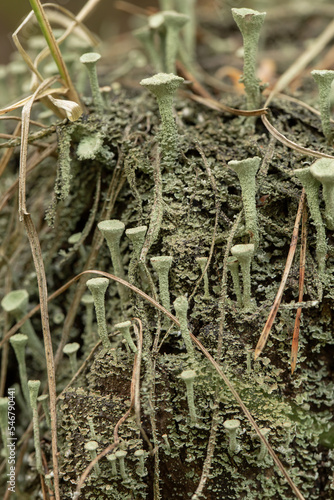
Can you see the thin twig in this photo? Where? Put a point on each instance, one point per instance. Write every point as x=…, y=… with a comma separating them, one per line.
x=43, y=299
x=295, y=337
x=284, y=140
x=219, y=106
x=304, y=59
x=271, y=318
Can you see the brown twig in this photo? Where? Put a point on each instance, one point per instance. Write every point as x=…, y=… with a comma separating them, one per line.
x=284, y=140
x=219, y=106
x=295, y=337
x=272, y=315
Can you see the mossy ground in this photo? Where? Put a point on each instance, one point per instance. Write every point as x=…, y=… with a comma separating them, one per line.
x=297, y=409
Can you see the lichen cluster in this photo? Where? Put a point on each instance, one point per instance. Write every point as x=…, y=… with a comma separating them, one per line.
x=296, y=409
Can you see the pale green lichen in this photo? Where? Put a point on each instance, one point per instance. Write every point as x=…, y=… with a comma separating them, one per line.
x=323, y=171
x=250, y=23
x=137, y=236
x=4, y=429
x=43, y=399
x=244, y=254
x=311, y=186
x=91, y=447
x=98, y=288
x=89, y=147
x=174, y=22
x=124, y=328
x=231, y=428
x=164, y=86
x=121, y=454
x=146, y=37
x=233, y=267
x=18, y=343
x=113, y=230
x=140, y=455
x=263, y=449
x=71, y=351
x=33, y=386
x=188, y=377
x=324, y=79
x=89, y=60
x=162, y=265
x=181, y=308
x=246, y=171
x=16, y=304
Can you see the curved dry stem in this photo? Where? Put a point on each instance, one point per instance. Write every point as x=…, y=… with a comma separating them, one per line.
x=284, y=140
x=24, y=144
x=76, y=21
x=39, y=94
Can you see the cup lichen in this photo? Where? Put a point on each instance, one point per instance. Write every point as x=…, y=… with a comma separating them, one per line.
x=98, y=288
x=244, y=254
x=164, y=86
x=250, y=23
x=246, y=171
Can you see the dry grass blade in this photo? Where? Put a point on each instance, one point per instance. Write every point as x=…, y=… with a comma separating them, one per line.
x=284, y=140
x=272, y=315
x=310, y=53
x=218, y=106
x=43, y=299
x=295, y=337
x=32, y=163
x=76, y=21
x=18, y=119
x=54, y=49
x=40, y=95
x=25, y=57
x=24, y=144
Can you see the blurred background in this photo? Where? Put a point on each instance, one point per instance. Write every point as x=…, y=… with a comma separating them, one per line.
x=105, y=17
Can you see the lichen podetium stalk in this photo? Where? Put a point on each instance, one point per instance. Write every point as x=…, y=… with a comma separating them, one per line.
x=244, y=254
x=33, y=386
x=89, y=60
x=98, y=288
x=174, y=22
x=162, y=265
x=246, y=171
x=112, y=230
x=249, y=23
x=164, y=86
x=188, y=376
x=323, y=171
x=181, y=309
x=4, y=429
x=311, y=186
x=324, y=80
